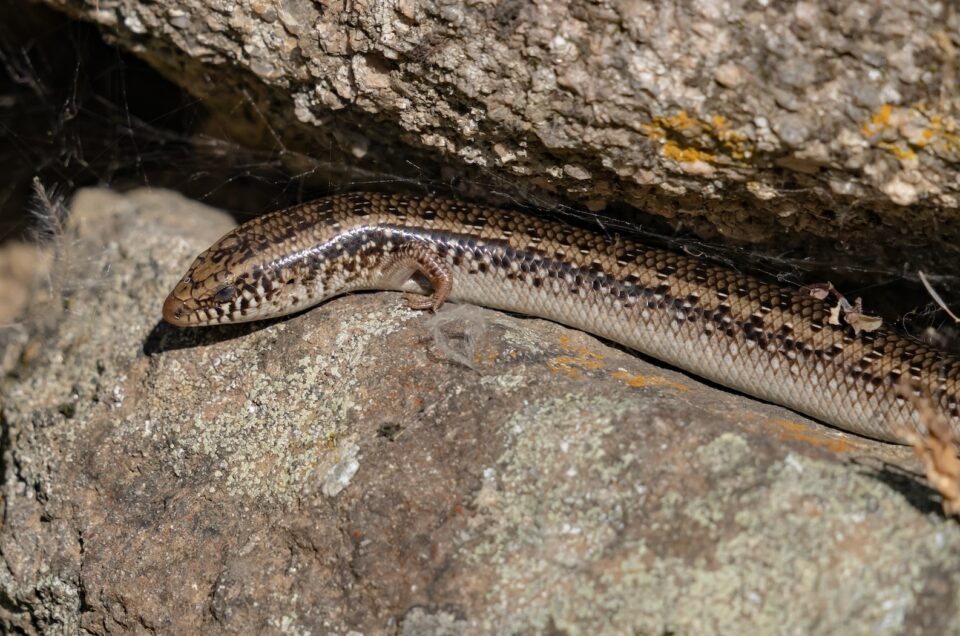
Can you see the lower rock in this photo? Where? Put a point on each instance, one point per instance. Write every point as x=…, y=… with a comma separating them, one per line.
x=365, y=467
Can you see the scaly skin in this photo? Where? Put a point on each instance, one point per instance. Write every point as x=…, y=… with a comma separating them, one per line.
x=770, y=341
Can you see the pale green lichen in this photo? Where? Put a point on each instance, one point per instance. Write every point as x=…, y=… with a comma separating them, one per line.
x=290, y=435
x=777, y=553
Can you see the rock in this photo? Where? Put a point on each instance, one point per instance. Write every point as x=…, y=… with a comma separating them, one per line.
x=508, y=95
x=20, y=265
x=364, y=467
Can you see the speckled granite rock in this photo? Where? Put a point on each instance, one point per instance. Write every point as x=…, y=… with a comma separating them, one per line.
x=365, y=467
x=755, y=120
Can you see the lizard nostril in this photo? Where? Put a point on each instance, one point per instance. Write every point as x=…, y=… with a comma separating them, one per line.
x=173, y=311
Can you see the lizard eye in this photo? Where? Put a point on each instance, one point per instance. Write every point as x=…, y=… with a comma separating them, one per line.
x=225, y=294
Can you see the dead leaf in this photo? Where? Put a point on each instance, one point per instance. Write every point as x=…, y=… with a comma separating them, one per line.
x=855, y=317
x=834, y=315
x=820, y=291
x=869, y=323
x=937, y=451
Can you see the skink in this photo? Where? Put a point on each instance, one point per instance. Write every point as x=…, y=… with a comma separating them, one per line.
x=773, y=342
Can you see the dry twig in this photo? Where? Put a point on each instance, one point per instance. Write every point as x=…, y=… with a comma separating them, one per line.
x=936, y=297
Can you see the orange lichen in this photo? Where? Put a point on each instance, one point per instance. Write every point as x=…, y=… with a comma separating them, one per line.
x=733, y=141
x=571, y=365
x=903, y=154
x=683, y=121
x=685, y=155
x=638, y=381
x=917, y=127
x=653, y=132
x=878, y=121
x=688, y=139
x=925, y=138
x=487, y=355
x=793, y=431
x=942, y=134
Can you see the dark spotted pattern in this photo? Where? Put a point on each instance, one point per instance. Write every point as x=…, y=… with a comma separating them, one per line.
x=767, y=340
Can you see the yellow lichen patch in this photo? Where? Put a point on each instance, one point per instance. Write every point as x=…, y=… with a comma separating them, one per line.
x=681, y=122
x=943, y=134
x=638, y=381
x=901, y=153
x=689, y=139
x=878, y=121
x=733, y=141
x=793, y=431
x=654, y=132
x=909, y=129
x=924, y=137
x=685, y=155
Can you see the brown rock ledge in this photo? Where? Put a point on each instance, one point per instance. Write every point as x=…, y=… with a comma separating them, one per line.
x=364, y=467
x=756, y=121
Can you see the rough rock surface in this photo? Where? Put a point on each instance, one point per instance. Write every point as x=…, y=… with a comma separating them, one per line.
x=756, y=120
x=364, y=467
